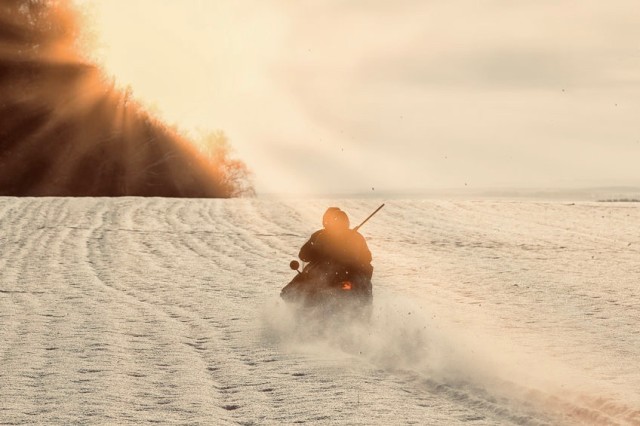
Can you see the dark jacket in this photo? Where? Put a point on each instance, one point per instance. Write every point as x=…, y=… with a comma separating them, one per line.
x=346, y=248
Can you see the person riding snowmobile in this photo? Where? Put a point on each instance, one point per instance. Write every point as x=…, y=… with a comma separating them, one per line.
x=337, y=277
x=337, y=247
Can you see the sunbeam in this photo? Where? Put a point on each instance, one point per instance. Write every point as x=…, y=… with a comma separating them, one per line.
x=67, y=129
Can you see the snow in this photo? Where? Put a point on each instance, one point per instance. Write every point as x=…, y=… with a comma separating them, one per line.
x=152, y=310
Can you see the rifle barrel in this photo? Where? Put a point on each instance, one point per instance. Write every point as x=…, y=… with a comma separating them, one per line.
x=369, y=217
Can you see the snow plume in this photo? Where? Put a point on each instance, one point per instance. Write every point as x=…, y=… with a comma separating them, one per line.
x=469, y=367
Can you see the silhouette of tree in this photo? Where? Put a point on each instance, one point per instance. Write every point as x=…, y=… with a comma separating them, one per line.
x=65, y=129
x=232, y=172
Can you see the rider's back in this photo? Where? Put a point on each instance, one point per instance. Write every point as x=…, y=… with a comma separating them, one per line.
x=347, y=248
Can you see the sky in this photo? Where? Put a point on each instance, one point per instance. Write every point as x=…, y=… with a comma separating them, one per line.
x=361, y=96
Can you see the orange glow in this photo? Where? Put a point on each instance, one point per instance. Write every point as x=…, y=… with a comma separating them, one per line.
x=346, y=285
x=66, y=130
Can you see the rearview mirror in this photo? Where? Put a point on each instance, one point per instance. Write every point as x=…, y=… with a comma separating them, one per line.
x=295, y=265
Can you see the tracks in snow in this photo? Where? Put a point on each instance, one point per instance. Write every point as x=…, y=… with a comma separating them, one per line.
x=149, y=310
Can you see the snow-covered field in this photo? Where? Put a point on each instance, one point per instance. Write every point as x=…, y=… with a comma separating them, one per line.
x=132, y=310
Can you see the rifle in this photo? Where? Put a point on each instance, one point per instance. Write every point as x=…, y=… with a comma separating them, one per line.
x=369, y=217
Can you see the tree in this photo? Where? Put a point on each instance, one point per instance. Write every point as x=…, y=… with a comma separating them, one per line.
x=66, y=130
x=232, y=172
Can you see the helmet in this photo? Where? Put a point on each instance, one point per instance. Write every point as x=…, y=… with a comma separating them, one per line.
x=335, y=218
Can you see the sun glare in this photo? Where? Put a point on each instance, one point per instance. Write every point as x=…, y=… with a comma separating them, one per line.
x=111, y=33
x=67, y=131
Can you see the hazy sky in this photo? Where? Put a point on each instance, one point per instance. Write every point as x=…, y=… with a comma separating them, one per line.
x=346, y=96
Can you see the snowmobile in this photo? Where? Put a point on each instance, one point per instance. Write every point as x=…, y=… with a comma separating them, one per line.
x=329, y=289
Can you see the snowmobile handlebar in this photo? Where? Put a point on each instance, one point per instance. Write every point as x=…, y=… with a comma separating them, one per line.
x=295, y=265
